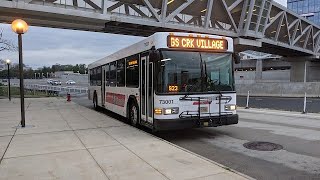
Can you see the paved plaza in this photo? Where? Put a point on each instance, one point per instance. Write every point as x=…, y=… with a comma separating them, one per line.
x=64, y=140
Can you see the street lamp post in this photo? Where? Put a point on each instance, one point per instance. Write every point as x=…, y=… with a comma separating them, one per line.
x=20, y=27
x=8, y=62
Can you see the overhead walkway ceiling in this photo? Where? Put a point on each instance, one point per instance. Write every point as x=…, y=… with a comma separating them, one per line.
x=260, y=25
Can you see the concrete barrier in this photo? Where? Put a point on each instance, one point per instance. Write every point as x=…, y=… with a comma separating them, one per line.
x=283, y=89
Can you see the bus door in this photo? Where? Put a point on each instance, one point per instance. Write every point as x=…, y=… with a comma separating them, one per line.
x=103, y=86
x=146, y=90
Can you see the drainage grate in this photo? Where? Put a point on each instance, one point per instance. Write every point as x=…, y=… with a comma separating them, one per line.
x=262, y=146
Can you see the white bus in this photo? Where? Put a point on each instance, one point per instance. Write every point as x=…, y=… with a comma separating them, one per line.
x=169, y=81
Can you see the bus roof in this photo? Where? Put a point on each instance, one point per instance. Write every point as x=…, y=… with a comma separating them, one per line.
x=159, y=41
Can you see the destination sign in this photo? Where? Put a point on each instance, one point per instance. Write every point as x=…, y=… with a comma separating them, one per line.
x=132, y=62
x=173, y=88
x=197, y=43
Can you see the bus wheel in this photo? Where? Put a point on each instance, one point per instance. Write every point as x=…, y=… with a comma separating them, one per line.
x=133, y=116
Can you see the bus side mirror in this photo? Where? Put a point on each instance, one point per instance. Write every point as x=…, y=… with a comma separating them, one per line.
x=236, y=58
x=154, y=55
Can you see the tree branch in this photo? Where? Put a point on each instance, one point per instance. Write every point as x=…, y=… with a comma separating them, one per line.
x=6, y=45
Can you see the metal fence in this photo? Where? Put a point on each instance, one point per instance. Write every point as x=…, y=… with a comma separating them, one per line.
x=58, y=90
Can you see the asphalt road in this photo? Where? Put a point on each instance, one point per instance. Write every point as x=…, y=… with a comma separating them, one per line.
x=281, y=103
x=298, y=134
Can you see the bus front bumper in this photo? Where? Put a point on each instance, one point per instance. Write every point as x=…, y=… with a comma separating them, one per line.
x=171, y=124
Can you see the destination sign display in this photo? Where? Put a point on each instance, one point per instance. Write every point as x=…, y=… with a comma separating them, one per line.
x=132, y=62
x=173, y=88
x=187, y=42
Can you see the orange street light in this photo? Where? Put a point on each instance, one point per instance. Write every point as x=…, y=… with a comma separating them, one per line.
x=20, y=27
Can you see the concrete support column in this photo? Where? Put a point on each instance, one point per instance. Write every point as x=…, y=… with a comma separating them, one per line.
x=104, y=6
x=313, y=71
x=258, y=76
x=304, y=69
x=299, y=71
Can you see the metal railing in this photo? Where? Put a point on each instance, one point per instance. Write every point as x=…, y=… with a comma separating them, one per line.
x=58, y=90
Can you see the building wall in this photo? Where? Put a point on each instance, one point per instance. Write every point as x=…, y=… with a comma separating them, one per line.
x=309, y=8
x=244, y=75
x=313, y=72
x=284, y=89
x=276, y=75
x=277, y=82
x=266, y=63
x=281, y=75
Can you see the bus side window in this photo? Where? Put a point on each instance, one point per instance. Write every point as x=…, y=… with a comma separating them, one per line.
x=120, y=73
x=107, y=74
x=94, y=75
x=113, y=74
x=99, y=76
x=91, y=77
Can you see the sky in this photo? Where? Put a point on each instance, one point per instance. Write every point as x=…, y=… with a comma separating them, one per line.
x=48, y=46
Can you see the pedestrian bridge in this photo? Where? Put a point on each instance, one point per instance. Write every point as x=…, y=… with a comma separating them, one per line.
x=261, y=25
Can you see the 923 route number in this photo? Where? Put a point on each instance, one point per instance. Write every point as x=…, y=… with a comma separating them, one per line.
x=173, y=88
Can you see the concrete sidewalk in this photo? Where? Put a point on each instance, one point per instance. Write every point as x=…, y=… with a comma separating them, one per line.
x=68, y=141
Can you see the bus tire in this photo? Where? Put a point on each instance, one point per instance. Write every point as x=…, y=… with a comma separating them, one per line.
x=134, y=114
x=95, y=101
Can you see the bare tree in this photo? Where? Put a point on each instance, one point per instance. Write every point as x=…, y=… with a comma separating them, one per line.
x=6, y=45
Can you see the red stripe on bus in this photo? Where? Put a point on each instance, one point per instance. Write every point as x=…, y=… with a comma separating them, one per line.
x=202, y=102
x=117, y=99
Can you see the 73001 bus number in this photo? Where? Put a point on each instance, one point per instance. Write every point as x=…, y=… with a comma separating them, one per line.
x=166, y=101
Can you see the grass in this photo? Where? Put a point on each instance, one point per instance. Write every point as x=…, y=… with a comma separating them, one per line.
x=15, y=92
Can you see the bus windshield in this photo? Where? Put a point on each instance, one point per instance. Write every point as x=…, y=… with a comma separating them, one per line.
x=192, y=72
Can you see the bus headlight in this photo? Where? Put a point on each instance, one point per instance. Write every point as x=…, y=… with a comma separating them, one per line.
x=168, y=111
x=230, y=107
